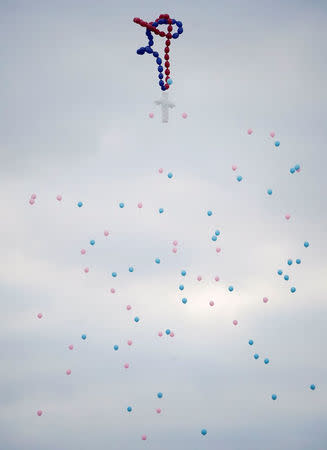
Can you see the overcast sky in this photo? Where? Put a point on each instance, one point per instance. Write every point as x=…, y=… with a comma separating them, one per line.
x=74, y=104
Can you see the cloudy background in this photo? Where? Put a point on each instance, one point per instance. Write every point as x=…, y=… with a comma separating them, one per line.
x=74, y=107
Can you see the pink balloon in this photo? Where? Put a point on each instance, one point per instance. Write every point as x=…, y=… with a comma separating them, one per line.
x=70, y=347
x=171, y=334
x=287, y=216
x=160, y=333
x=129, y=342
x=211, y=303
x=112, y=290
x=39, y=412
x=31, y=201
x=174, y=250
x=298, y=170
x=184, y=115
x=234, y=167
x=158, y=410
x=33, y=196
x=264, y=299
x=68, y=371
x=151, y=115
x=217, y=278
x=160, y=170
x=143, y=437
x=272, y=134
x=235, y=322
x=199, y=278
x=126, y=365
x=106, y=232
x=175, y=243
x=59, y=198
x=86, y=270
x=83, y=251
x=40, y=316
x=128, y=307
x=250, y=131
x=140, y=205
x=218, y=250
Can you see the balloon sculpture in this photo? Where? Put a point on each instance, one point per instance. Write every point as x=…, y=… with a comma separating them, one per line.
x=164, y=82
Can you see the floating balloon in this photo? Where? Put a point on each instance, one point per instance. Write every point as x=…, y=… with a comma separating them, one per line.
x=116, y=347
x=86, y=270
x=128, y=307
x=306, y=244
x=170, y=175
x=234, y=167
x=114, y=274
x=239, y=178
x=289, y=262
x=129, y=408
x=121, y=205
x=79, y=204
x=250, y=131
x=214, y=238
x=250, y=342
x=211, y=303
x=181, y=287
x=184, y=115
x=92, y=242
x=40, y=315
x=172, y=334
x=68, y=372
x=83, y=251
x=140, y=205
x=39, y=412
x=136, y=319
x=272, y=134
x=151, y=115
x=161, y=210
x=112, y=290
x=59, y=198
x=175, y=243
x=230, y=288
x=143, y=437
x=265, y=299
x=218, y=249
x=160, y=334
x=83, y=337
x=293, y=290
x=129, y=342
x=274, y=396
x=312, y=387
x=160, y=395
x=158, y=410
x=106, y=232
x=217, y=232
x=217, y=278
x=174, y=250
x=280, y=272
x=269, y=191
x=266, y=361
x=209, y=213
x=31, y=202
x=70, y=347
x=183, y=273
x=199, y=278
x=157, y=261
x=298, y=261
x=277, y=144
x=184, y=300
x=33, y=196
x=203, y=432
x=235, y=322
x=167, y=331
x=126, y=365
x=160, y=170
x=131, y=269
x=287, y=216
x=286, y=277
x=256, y=356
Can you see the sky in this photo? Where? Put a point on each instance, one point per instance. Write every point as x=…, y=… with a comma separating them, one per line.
x=74, y=120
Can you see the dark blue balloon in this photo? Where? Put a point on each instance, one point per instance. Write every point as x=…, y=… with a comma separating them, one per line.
x=161, y=83
x=159, y=60
x=161, y=21
x=148, y=49
x=179, y=23
x=155, y=54
x=175, y=35
x=163, y=88
x=155, y=24
x=180, y=30
x=160, y=68
x=160, y=76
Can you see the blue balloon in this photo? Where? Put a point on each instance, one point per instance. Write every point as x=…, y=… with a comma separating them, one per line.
x=114, y=274
x=161, y=210
x=312, y=387
x=116, y=347
x=298, y=261
x=170, y=81
x=163, y=88
x=297, y=166
x=292, y=170
x=83, y=337
x=280, y=272
x=269, y=191
x=92, y=242
x=230, y=288
x=157, y=260
x=175, y=35
x=159, y=395
x=293, y=290
x=148, y=49
x=217, y=232
x=277, y=144
x=289, y=262
x=184, y=300
x=159, y=61
x=168, y=331
x=136, y=319
x=214, y=238
x=160, y=68
x=256, y=356
x=161, y=83
x=79, y=204
x=286, y=277
x=183, y=273
x=209, y=213
x=306, y=244
x=181, y=287
x=170, y=175
x=204, y=432
x=266, y=361
x=129, y=408
x=131, y=269
x=155, y=54
x=239, y=178
x=160, y=76
x=274, y=396
x=250, y=342
x=121, y=205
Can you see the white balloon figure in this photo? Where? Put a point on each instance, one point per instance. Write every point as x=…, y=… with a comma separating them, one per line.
x=165, y=105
